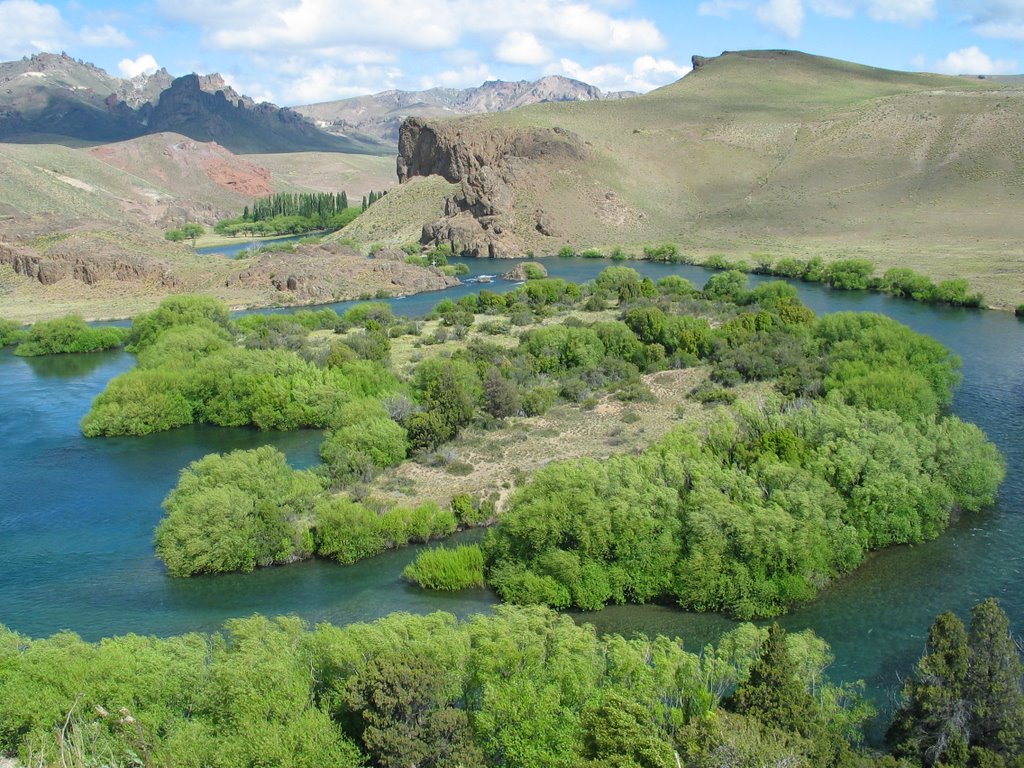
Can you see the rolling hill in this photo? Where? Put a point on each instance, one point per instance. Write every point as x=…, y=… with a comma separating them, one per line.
x=773, y=152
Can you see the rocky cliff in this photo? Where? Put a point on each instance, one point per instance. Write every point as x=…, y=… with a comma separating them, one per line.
x=83, y=260
x=492, y=167
x=205, y=109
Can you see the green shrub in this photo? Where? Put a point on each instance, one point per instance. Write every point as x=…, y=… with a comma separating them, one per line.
x=237, y=511
x=347, y=531
x=850, y=274
x=176, y=310
x=365, y=441
x=751, y=519
x=708, y=392
x=448, y=570
x=68, y=334
x=533, y=272
x=11, y=333
x=668, y=252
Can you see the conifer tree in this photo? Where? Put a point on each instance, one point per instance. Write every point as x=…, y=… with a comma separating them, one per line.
x=932, y=724
x=994, y=682
x=773, y=693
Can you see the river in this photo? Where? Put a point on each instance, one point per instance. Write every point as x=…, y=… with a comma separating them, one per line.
x=77, y=516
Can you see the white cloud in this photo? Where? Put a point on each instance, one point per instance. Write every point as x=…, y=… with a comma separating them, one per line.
x=143, y=64
x=521, y=48
x=302, y=25
x=1002, y=19
x=581, y=24
x=974, y=61
x=254, y=90
x=836, y=9
x=30, y=27
x=723, y=9
x=465, y=77
x=918, y=61
x=301, y=80
x=785, y=16
x=649, y=73
x=646, y=74
x=107, y=36
x=902, y=11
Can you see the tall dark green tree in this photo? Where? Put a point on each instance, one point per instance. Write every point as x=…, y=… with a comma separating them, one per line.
x=407, y=713
x=773, y=692
x=932, y=725
x=994, y=682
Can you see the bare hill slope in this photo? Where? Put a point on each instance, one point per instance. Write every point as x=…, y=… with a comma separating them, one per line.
x=773, y=152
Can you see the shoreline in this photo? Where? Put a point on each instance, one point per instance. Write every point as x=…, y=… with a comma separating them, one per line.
x=257, y=305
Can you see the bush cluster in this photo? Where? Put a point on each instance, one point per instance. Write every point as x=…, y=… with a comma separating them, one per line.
x=69, y=334
x=520, y=688
x=755, y=517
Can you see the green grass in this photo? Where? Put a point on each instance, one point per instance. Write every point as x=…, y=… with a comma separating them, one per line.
x=448, y=570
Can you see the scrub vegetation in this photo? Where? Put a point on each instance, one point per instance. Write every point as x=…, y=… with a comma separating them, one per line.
x=521, y=688
x=753, y=501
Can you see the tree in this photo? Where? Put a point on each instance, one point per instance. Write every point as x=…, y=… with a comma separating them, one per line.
x=450, y=390
x=965, y=702
x=994, y=682
x=773, y=692
x=405, y=702
x=501, y=396
x=191, y=231
x=237, y=511
x=619, y=733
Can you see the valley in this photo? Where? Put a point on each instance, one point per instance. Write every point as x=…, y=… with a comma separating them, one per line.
x=740, y=372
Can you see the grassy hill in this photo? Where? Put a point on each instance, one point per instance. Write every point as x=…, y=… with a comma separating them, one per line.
x=773, y=152
x=81, y=228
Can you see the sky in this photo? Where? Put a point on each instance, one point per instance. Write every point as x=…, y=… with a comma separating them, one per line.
x=293, y=52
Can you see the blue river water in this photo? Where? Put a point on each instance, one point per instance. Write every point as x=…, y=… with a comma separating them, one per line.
x=77, y=516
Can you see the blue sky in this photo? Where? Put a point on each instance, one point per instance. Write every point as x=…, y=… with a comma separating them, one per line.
x=302, y=51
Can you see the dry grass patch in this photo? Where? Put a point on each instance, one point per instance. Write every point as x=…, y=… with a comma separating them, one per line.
x=501, y=457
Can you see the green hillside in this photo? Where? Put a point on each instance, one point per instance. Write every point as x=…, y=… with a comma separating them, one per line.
x=772, y=152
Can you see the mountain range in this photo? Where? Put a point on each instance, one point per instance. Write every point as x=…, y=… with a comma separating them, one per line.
x=380, y=115
x=51, y=97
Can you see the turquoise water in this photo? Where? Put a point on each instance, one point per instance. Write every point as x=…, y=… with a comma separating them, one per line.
x=77, y=515
x=232, y=250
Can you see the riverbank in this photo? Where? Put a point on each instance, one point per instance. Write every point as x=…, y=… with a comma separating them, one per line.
x=310, y=275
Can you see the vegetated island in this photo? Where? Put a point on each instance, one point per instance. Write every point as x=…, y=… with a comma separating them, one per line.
x=779, y=449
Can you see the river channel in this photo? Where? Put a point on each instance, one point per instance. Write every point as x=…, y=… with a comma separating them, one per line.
x=77, y=516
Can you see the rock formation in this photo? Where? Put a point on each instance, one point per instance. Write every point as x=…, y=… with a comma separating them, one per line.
x=78, y=258
x=334, y=272
x=488, y=167
x=519, y=271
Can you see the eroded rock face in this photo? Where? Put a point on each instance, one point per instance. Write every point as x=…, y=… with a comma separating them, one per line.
x=79, y=259
x=488, y=164
x=335, y=272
